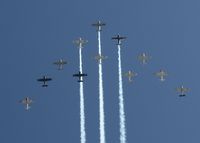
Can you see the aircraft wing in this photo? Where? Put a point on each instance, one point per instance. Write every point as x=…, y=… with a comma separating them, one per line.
x=22, y=101
x=130, y=74
x=44, y=79
x=57, y=63
x=83, y=74
x=126, y=74
x=41, y=79
x=118, y=38
x=157, y=74
x=64, y=62
x=186, y=89
x=60, y=63
x=115, y=38
x=165, y=74
x=48, y=79
x=140, y=57
x=99, y=24
x=104, y=57
x=179, y=89
x=77, y=75
x=161, y=74
x=123, y=37
x=95, y=24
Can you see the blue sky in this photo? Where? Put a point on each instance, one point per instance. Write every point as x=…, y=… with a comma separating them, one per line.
x=36, y=33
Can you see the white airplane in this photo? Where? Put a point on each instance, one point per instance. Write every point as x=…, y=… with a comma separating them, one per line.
x=182, y=90
x=144, y=58
x=99, y=58
x=60, y=63
x=80, y=42
x=161, y=74
x=130, y=75
x=99, y=25
x=27, y=101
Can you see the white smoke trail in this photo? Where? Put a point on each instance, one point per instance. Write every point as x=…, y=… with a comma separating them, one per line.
x=101, y=97
x=121, y=101
x=82, y=110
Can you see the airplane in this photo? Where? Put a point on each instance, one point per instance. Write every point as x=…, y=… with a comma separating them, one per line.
x=44, y=79
x=118, y=38
x=80, y=42
x=99, y=58
x=99, y=25
x=130, y=75
x=144, y=58
x=182, y=90
x=80, y=76
x=26, y=101
x=161, y=74
x=60, y=63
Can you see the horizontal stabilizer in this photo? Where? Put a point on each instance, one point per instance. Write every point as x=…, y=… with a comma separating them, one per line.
x=182, y=95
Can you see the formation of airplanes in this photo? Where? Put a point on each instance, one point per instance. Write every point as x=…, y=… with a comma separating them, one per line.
x=143, y=58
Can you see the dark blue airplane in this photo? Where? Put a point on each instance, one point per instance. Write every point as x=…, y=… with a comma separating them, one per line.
x=44, y=79
x=79, y=75
x=118, y=38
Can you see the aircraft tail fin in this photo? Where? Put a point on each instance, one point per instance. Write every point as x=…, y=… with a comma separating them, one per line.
x=27, y=108
x=44, y=85
x=182, y=95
